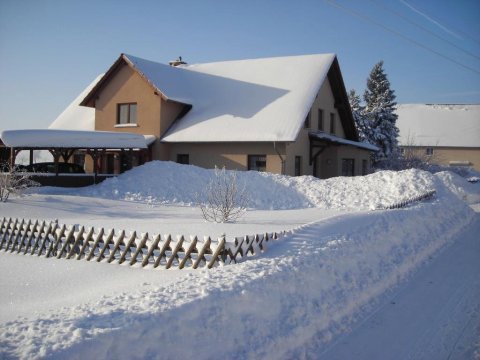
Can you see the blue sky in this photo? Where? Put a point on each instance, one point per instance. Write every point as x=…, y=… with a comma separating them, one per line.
x=51, y=49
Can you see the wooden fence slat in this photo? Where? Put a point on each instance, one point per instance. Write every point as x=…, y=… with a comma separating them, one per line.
x=38, y=237
x=163, y=250
x=4, y=228
x=127, y=247
x=24, y=236
x=66, y=242
x=58, y=235
x=116, y=247
x=151, y=249
x=12, y=234
x=18, y=236
x=220, y=248
x=75, y=246
x=201, y=254
x=31, y=237
x=140, y=246
x=98, y=238
x=188, y=253
x=45, y=240
x=106, y=245
x=174, y=255
x=86, y=242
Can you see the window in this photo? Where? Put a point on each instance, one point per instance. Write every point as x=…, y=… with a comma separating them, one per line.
x=127, y=113
x=257, y=162
x=348, y=166
x=364, y=167
x=183, y=159
x=298, y=165
x=307, y=121
x=320, y=119
x=402, y=151
x=332, y=123
x=429, y=151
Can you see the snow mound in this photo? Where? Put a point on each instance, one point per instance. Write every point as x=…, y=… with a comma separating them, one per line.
x=159, y=182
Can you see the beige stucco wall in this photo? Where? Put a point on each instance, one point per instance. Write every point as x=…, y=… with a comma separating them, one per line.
x=127, y=86
x=301, y=147
x=154, y=114
x=231, y=155
x=444, y=155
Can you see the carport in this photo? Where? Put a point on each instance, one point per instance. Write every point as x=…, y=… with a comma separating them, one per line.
x=63, y=144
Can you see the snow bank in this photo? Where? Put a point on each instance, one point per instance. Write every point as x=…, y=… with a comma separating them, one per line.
x=160, y=182
x=464, y=190
x=304, y=290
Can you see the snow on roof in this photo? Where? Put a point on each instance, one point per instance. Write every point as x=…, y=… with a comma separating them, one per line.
x=246, y=100
x=76, y=117
x=439, y=125
x=49, y=138
x=320, y=135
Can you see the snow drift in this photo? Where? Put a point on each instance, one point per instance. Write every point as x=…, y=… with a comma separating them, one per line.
x=160, y=182
x=286, y=304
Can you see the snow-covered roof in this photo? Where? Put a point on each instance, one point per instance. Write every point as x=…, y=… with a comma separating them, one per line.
x=76, y=117
x=439, y=125
x=320, y=135
x=246, y=100
x=52, y=138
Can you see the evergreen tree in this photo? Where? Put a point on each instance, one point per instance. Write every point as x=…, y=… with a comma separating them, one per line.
x=362, y=123
x=380, y=112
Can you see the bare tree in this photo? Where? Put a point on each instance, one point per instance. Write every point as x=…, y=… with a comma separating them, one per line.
x=13, y=181
x=224, y=200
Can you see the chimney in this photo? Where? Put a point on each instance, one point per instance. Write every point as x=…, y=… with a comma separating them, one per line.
x=177, y=62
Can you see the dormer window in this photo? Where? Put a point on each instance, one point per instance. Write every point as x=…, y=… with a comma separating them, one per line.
x=127, y=113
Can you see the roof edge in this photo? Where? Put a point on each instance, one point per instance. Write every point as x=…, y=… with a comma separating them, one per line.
x=123, y=58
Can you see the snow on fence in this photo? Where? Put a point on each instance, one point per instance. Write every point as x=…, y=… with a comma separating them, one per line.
x=407, y=202
x=51, y=239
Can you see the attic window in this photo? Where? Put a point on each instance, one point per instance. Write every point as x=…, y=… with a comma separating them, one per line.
x=127, y=113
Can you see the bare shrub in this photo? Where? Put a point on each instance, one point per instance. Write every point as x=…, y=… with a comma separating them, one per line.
x=413, y=156
x=224, y=200
x=14, y=181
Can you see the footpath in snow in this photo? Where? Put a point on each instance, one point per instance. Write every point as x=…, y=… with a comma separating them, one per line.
x=294, y=301
x=435, y=315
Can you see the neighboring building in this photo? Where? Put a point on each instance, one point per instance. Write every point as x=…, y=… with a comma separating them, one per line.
x=285, y=115
x=444, y=133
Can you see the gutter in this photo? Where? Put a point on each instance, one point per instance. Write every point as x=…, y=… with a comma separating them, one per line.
x=282, y=160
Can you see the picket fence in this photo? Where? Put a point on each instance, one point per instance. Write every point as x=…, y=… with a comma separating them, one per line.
x=51, y=239
x=402, y=204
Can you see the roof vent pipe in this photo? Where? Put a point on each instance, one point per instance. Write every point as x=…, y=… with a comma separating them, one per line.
x=177, y=62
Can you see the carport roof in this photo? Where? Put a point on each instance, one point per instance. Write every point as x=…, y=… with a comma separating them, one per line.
x=74, y=139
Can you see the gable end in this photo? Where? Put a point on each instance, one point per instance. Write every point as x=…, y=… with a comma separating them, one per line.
x=341, y=101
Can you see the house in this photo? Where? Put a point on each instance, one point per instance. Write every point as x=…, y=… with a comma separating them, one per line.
x=286, y=115
x=445, y=134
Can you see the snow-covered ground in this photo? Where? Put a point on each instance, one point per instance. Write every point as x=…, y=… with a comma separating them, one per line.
x=317, y=292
